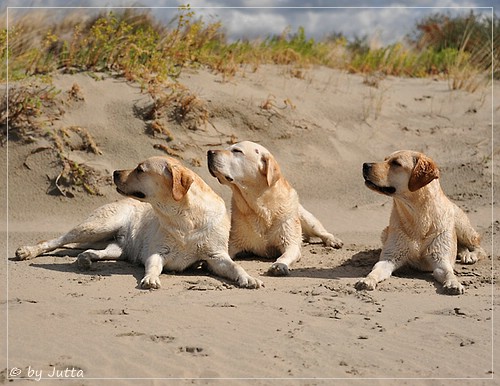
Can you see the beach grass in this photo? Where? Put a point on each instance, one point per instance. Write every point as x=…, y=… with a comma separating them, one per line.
x=135, y=45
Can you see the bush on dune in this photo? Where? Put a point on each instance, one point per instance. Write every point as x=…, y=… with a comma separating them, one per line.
x=133, y=44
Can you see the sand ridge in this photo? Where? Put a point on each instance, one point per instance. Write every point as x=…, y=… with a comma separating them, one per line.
x=312, y=324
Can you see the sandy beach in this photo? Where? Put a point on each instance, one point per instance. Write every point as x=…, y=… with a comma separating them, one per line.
x=309, y=328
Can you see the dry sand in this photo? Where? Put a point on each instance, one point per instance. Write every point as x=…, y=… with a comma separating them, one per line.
x=306, y=327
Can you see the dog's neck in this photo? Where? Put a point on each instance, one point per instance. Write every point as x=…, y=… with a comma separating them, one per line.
x=265, y=203
x=187, y=213
x=420, y=207
x=171, y=213
x=423, y=197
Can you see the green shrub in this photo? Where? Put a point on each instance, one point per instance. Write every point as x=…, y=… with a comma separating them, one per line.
x=134, y=45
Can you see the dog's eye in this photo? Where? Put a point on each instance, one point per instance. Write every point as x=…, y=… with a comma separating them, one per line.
x=140, y=169
x=395, y=163
x=235, y=150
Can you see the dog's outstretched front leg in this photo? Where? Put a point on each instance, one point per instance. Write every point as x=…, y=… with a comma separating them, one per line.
x=154, y=266
x=282, y=264
x=382, y=270
x=442, y=253
x=445, y=275
x=392, y=257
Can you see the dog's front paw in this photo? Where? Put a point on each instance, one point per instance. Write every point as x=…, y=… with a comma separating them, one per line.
x=249, y=282
x=333, y=242
x=453, y=287
x=84, y=260
x=27, y=252
x=278, y=269
x=366, y=284
x=150, y=282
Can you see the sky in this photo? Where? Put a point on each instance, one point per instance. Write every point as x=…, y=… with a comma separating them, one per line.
x=383, y=21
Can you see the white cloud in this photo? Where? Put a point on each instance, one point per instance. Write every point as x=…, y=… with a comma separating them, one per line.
x=389, y=24
x=245, y=23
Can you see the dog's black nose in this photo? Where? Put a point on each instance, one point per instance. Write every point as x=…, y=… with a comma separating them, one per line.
x=210, y=154
x=366, y=168
x=116, y=175
x=211, y=162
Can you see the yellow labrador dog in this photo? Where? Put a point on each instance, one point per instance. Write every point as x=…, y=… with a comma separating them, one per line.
x=266, y=219
x=426, y=230
x=171, y=221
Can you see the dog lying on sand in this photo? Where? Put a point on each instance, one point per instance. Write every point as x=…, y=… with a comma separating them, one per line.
x=171, y=220
x=267, y=219
x=426, y=230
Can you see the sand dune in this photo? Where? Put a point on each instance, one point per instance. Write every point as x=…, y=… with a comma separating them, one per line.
x=312, y=324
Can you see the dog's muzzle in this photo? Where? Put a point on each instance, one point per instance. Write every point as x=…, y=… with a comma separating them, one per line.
x=118, y=182
x=367, y=168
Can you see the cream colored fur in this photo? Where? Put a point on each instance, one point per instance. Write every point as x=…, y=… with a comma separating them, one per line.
x=426, y=230
x=172, y=221
x=267, y=219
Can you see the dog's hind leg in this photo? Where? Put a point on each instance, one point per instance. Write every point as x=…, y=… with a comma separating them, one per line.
x=469, y=248
x=221, y=264
x=312, y=227
x=102, y=224
x=112, y=252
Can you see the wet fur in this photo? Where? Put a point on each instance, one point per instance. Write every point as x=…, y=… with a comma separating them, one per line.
x=426, y=230
x=171, y=220
x=267, y=219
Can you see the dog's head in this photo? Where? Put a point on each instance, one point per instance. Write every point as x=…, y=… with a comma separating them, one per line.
x=402, y=172
x=246, y=165
x=157, y=179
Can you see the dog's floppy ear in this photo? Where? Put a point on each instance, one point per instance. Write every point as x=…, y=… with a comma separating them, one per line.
x=181, y=182
x=271, y=169
x=424, y=171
